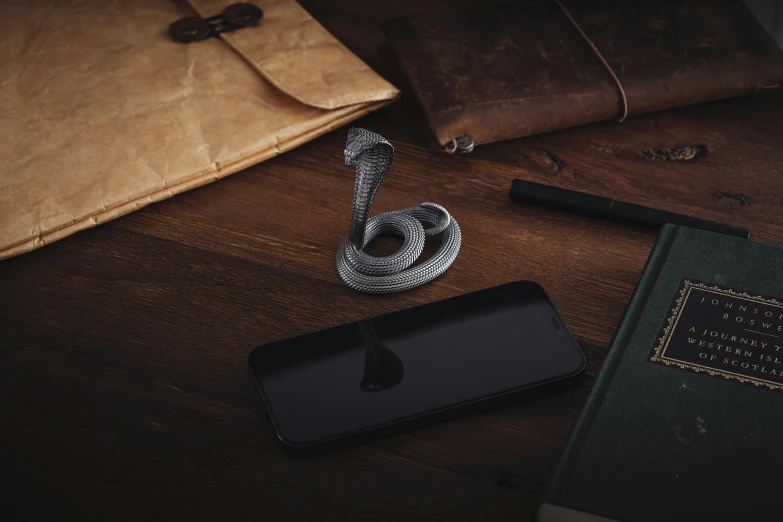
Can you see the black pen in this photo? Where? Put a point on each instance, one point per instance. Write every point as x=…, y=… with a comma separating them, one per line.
x=612, y=209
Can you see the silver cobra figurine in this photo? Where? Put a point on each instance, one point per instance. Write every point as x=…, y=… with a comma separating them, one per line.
x=373, y=157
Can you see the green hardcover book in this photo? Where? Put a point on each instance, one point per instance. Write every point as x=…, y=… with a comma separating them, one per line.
x=685, y=421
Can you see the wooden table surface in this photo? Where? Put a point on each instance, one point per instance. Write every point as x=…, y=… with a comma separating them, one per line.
x=124, y=388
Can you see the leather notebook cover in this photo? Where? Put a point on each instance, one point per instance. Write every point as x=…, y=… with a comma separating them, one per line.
x=102, y=112
x=519, y=69
x=683, y=422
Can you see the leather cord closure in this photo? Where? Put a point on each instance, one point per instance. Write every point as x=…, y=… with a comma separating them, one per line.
x=233, y=17
x=599, y=55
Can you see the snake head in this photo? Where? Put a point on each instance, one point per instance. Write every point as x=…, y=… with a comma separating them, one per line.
x=356, y=144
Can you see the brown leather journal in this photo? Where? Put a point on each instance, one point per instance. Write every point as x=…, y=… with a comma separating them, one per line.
x=514, y=70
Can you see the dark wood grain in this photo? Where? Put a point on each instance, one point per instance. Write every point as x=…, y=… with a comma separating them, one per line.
x=124, y=391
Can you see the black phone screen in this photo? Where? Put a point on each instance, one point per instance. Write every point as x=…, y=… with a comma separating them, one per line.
x=372, y=374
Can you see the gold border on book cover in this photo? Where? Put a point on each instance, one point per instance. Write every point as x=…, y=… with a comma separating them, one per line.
x=671, y=324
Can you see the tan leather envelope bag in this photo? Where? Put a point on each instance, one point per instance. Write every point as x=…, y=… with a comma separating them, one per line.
x=102, y=113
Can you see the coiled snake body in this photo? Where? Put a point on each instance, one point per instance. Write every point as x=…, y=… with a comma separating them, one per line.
x=373, y=156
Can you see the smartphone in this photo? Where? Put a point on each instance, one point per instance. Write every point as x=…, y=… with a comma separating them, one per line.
x=371, y=378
